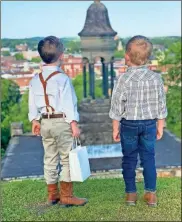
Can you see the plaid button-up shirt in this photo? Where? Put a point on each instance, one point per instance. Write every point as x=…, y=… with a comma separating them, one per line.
x=138, y=94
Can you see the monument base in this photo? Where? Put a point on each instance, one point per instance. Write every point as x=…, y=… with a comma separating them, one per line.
x=95, y=124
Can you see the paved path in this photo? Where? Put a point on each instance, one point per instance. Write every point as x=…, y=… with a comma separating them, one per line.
x=24, y=156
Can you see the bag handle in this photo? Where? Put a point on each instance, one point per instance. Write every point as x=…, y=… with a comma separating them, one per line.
x=76, y=141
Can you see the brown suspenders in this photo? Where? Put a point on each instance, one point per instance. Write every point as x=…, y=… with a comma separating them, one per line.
x=44, y=84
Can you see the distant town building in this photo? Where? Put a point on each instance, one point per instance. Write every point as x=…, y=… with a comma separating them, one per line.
x=21, y=72
x=164, y=68
x=22, y=79
x=21, y=47
x=154, y=62
x=5, y=49
x=116, y=37
x=6, y=62
x=30, y=54
x=159, y=47
x=120, y=46
x=72, y=65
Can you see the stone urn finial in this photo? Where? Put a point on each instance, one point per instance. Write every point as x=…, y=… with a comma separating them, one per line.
x=97, y=35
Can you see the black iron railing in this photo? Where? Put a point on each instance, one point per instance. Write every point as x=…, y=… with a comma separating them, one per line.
x=108, y=77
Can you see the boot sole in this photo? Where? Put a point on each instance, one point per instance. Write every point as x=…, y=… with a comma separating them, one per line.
x=131, y=203
x=71, y=205
x=150, y=205
x=53, y=203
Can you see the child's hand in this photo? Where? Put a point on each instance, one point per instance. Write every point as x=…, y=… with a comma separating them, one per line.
x=75, y=129
x=115, y=133
x=159, y=132
x=36, y=128
x=160, y=128
x=116, y=136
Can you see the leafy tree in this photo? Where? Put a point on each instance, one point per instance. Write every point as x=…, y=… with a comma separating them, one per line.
x=11, y=43
x=172, y=55
x=160, y=56
x=6, y=53
x=32, y=42
x=78, y=86
x=174, y=76
x=21, y=113
x=119, y=54
x=173, y=81
x=36, y=60
x=174, y=110
x=73, y=46
x=19, y=56
x=165, y=41
x=10, y=96
x=17, y=113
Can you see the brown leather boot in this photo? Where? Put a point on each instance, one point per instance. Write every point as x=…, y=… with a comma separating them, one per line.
x=151, y=199
x=66, y=196
x=131, y=199
x=53, y=194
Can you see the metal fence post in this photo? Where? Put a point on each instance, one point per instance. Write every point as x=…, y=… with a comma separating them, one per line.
x=106, y=81
x=84, y=81
x=103, y=76
x=112, y=76
x=92, y=81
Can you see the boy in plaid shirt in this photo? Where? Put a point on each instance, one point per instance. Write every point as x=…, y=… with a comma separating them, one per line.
x=138, y=110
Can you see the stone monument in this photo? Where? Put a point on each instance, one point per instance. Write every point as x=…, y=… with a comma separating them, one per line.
x=97, y=36
x=97, y=40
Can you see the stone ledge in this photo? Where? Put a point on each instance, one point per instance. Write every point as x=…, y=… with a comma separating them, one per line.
x=87, y=117
x=94, y=109
x=96, y=138
x=103, y=127
x=99, y=101
x=172, y=135
x=161, y=173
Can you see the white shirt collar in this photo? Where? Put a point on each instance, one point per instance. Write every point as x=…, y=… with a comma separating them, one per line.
x=51, y=68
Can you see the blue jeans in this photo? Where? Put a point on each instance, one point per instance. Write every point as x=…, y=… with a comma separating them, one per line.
x=138, y=137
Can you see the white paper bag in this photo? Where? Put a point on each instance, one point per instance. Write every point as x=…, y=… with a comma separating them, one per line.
x=79, y=164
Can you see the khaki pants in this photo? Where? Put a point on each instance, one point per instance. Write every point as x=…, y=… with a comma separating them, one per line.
x=57, y=141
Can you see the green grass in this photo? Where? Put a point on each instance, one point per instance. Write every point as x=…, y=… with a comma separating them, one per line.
x=174, y=110
x=106, y=202
x=2, y=153
x=175, y=129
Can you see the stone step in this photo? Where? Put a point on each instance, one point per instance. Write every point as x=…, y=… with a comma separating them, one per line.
x=94, y=138
x=96, y=102
x=95, y=127
x=94, y=117
x=94, y=108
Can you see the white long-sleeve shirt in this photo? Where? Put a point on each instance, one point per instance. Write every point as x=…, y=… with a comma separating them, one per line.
x=60, y=92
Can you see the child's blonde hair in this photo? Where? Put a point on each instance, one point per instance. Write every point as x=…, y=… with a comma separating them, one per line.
x=139, y=49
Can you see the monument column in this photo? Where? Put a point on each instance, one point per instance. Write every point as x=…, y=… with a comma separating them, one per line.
x=97, y=41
